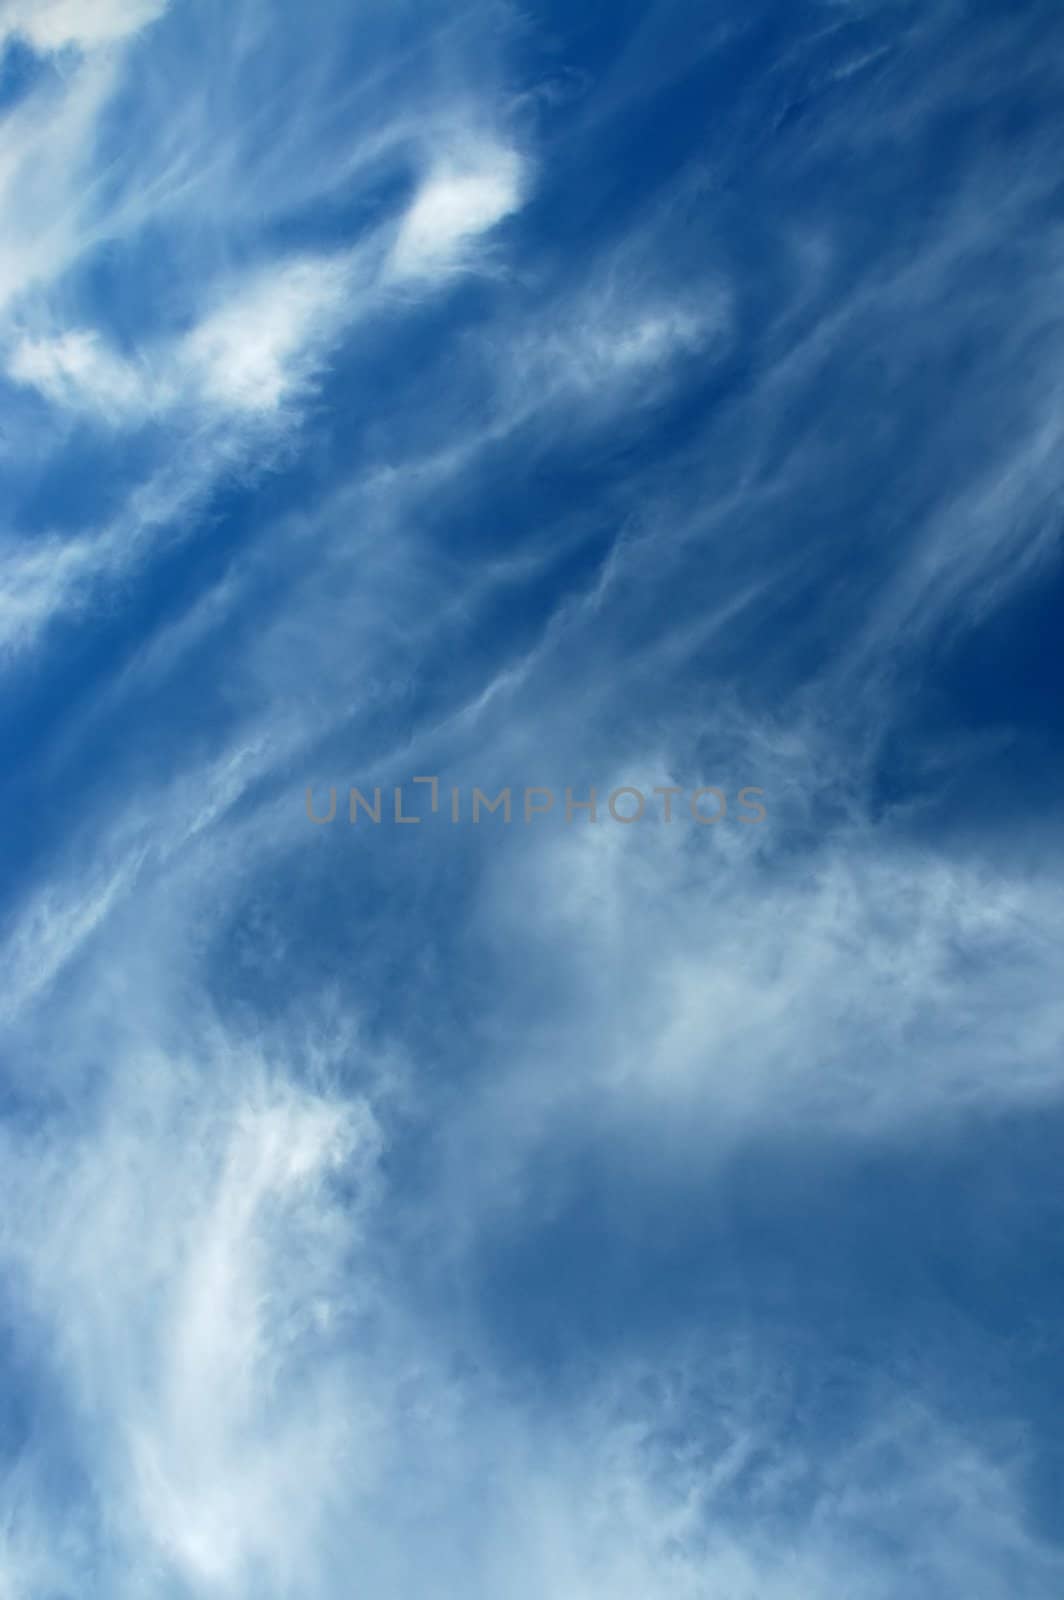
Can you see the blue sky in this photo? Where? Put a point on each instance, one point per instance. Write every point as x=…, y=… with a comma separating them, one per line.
x=569, y=397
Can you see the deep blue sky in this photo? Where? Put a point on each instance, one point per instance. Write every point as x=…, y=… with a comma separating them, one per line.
x=577, y=396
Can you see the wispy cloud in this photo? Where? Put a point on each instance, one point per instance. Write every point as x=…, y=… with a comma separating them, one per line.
x=520, y=1210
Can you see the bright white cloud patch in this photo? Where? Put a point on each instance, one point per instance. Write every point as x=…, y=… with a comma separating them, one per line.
x=254, y=352
x=75, y=370
x=55, y=24
x=454, y=206
x=259, y=348
x=207, y=1363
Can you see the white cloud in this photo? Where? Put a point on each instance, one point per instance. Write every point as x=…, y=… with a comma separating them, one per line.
x=76, y=370
x=214, y=1245
x=686, y=1494
x=610, y=348
x=49, y=576
x=233, y=352
x=457, y=202
x=37, y=581
x=696, y=988
x=207, y=1366
x=84, y=24
x=256, y=351
x=46, y=145
x=229, y=386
